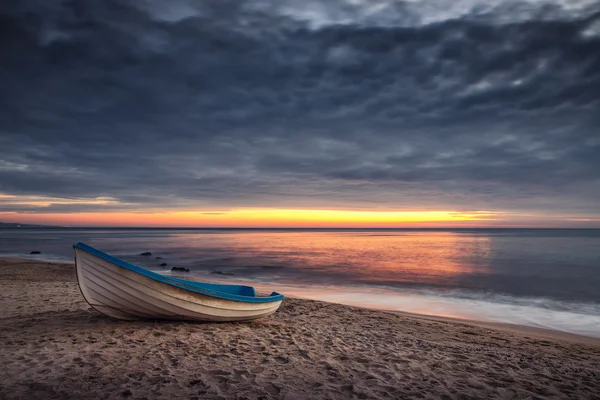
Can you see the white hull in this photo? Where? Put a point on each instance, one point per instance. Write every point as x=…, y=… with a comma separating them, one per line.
x=121, y=293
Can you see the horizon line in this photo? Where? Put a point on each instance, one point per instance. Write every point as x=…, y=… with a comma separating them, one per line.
x=35, y=226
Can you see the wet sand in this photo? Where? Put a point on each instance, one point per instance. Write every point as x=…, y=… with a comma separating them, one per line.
x=55, y=347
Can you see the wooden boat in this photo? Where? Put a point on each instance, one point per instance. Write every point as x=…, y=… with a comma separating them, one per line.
x=125, y=291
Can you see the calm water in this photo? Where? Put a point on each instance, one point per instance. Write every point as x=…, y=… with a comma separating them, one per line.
x=546, y=278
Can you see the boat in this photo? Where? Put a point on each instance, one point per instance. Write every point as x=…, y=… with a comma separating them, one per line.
x=126, y=291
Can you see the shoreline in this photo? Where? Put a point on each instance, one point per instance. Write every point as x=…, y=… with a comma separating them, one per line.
x=56, y=347
x=517, y=328
x=507, y=327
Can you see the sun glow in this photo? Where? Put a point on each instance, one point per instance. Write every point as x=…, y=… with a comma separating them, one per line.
x=260, y=218
x=108, y=211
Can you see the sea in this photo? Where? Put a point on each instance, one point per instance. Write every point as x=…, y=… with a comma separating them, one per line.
x=546, y=278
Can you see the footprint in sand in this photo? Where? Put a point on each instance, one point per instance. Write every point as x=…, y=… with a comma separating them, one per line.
x=220, y=372
x=282, y=360
x=271, y=388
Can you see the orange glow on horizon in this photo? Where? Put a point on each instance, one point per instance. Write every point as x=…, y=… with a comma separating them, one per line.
x=109, y=211
x=260, y=218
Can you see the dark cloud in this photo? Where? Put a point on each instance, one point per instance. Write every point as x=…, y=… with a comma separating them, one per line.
x=218, y=104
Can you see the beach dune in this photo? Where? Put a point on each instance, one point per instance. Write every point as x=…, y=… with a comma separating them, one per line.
x=54, y=346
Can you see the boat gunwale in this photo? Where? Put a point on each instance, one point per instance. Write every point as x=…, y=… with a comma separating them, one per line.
x=193, y=287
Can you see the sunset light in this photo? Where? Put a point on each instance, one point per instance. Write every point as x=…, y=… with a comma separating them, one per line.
x=258, y=218
x=251, y=199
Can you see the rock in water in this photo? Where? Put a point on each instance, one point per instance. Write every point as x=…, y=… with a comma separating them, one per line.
x=35, y=252
x=146, y=253
x=223, y=273
x=180, y=269
x=163, y=265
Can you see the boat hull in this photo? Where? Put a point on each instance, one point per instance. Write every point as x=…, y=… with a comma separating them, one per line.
x=124, y=294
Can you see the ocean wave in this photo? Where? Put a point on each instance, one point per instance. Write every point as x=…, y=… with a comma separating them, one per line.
x=573, y=317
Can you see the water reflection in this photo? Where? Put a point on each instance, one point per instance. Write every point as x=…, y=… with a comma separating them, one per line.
x=359, y=257
x=557, y=264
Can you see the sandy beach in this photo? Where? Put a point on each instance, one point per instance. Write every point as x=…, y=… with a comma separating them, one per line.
x=54, y=346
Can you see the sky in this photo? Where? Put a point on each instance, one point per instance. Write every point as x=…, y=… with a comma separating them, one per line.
x=378, y=113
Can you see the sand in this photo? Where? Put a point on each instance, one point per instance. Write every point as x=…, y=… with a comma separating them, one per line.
x=53, y=346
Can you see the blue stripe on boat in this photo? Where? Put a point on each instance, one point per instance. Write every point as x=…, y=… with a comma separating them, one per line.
x=239, y=293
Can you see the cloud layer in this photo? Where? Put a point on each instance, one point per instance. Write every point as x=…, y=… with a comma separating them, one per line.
x=338, y=104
